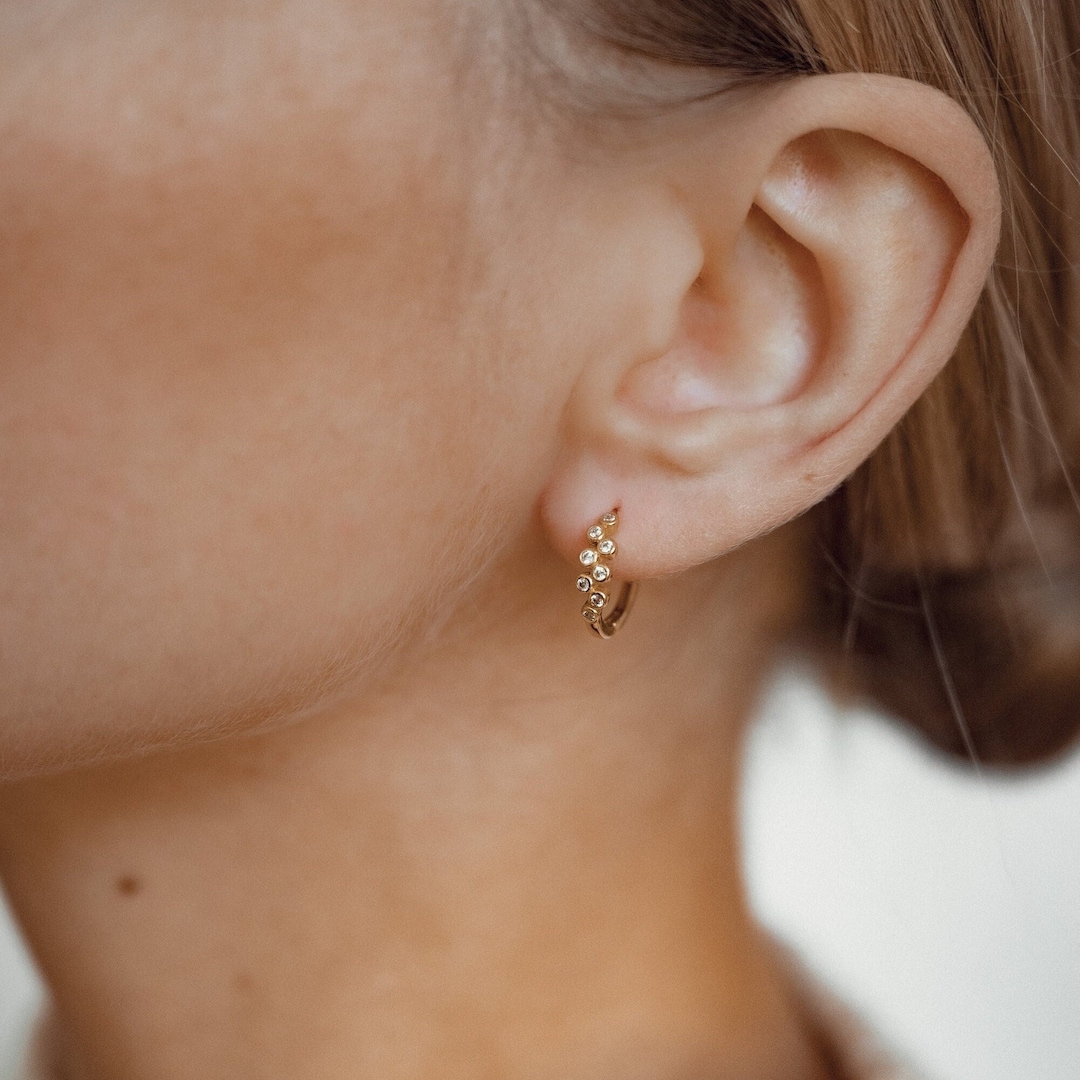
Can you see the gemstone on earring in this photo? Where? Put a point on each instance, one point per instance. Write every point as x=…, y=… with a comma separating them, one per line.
x=595, y=533
x=590, y=614
x=598, y=599
x=609, y=519
x=588, y=557
x=584, y=584
x=606, y=547
x=601, y=572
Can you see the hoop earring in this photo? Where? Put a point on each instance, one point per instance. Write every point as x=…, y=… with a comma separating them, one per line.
x=596, y=560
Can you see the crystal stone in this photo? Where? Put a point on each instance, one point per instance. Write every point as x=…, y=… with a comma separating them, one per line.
x=598, y=599
x=610, y=519
x=595, y=533
x=584, y=584
x=591, y=614
x=606, y=547
x=588, y=557
x=601, y=572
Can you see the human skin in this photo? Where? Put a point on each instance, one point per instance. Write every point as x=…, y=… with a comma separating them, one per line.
x=323, y=339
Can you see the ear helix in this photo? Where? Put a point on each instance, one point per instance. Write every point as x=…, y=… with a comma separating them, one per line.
x=596, y=581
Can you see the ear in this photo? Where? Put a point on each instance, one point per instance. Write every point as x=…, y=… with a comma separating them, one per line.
x=828, y=241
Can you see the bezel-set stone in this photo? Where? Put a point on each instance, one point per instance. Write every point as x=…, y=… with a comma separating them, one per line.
x=595, y=560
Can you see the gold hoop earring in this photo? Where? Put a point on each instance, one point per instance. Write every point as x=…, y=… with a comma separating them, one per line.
x=596, y=559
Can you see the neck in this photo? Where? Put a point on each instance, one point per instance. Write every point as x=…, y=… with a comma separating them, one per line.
x=517, y=859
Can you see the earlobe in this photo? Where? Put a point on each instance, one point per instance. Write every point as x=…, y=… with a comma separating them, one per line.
x=824, y=307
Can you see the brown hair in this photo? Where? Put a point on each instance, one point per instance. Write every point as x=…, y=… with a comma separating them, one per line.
x=948, y=567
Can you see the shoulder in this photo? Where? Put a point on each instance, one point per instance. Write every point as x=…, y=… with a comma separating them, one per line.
x=858, y=1053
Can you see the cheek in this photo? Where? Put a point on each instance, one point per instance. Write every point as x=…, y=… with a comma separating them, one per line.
x=246, y=431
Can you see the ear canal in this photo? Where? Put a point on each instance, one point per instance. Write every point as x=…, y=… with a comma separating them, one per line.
x=750, y=332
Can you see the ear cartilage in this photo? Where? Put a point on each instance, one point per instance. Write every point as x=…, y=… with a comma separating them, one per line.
x=596, y=559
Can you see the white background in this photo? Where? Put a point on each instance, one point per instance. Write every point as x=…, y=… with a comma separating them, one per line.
x=944, y=904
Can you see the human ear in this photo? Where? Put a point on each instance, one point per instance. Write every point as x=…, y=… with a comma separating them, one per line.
x=822, y=260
